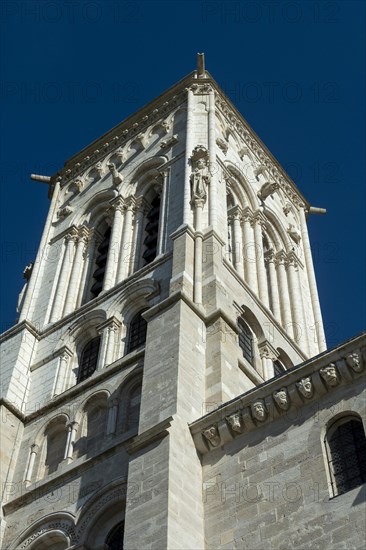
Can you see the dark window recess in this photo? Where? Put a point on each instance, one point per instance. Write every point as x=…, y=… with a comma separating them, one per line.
x=101, y=261
x=246, y=341
x=278, y=368
x=115, y=538
x=347, y=459
x=133, y=408
x=137, y=333
x=152, y=229
x=88, y=359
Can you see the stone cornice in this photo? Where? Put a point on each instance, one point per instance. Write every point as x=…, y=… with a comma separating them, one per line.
x=300, y=385
x=257, y=148
x=24, y=325
x=130, y=128
x=152, y=435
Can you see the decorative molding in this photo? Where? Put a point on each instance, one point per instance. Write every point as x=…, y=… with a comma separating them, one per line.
x=222, y=144
x=116, y=176
x=279, y=395
x=167, y=143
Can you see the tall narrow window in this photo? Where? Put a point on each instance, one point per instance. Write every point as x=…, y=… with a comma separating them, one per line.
x=115, y=537
x=101, y=262
x=136, y=332
x=246, y=340
x=346, y=452
x=278, y=368
x=133, y=408
x=152, y=231
x=88, y=359
x=56, y=436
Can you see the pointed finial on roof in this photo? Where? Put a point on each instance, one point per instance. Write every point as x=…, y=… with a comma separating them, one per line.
x=201, y=65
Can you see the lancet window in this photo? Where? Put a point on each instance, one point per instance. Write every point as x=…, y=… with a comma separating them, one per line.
x=88, y=359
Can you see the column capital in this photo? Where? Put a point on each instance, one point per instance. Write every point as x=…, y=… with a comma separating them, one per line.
x=65, y=353
x=129, y=203
x=247, y=214
x=72, y=234
x=141, y=204
x=280, y=258
x=267, y=350
x=293, y=260
x=117, y=203
x=236, y=212
x=34, y=448
x=270, y=256
x=259, y=219
x=112, y=324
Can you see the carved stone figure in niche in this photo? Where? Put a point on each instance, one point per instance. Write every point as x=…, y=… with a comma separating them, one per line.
x=212, y=435
x=329, y=375
x=258, y=410
x=200, y=177
x=353, y=360
x=305, y=387
x=235, y=422
x=281, y=398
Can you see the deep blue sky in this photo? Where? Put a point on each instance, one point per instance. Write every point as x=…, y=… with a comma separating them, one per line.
x=72, y=70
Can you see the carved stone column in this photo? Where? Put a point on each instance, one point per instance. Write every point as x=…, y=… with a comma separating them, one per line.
x=312, y=283
x=112, y=328
x=108, y=331
x=125, y=250
x=273, y=290
x=76, y=271
x=114, y=246
x=295, y=297
x=112, y=416
x=187, y=174
x=238, y=240
x=67, y=259
x=267, y=354
x=141, y=209
x=261, y=269
x=162, y=191
x=62, y=371
x=71, y=436
x=198, y=251
x=212, y=159
x=285, y=306
x=32, y=457
x=249, y=251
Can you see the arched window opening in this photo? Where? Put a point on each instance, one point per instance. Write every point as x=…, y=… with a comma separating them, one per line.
x=56, y=437
x=96, y=428
x=267, y=251
x=152, y=231
x=137, y=332
x=101, y=262
x=278, y=368
x=133, y=408
x=88, y=359
x=229, y=205
x=246, y=341
x=345, y=443
x=115, y=537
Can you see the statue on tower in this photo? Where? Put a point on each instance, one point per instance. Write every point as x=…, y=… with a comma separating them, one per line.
x=200, y=177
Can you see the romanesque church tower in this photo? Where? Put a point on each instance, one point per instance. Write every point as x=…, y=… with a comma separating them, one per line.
x=171, y=305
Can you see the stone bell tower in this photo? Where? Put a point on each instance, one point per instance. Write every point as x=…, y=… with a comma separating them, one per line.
x=174, y=273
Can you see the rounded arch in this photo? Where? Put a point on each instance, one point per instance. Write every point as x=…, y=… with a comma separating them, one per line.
x=144, y=170
x=284, y=358
x=251, y=319
x=136, y=297
x=59, y=525
x=59, y=418
x=94, y=398
x=129, y=397
x=101, y=513
x=241, y=187
x=94, y=211
x=276, y=228
x=84, y=328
